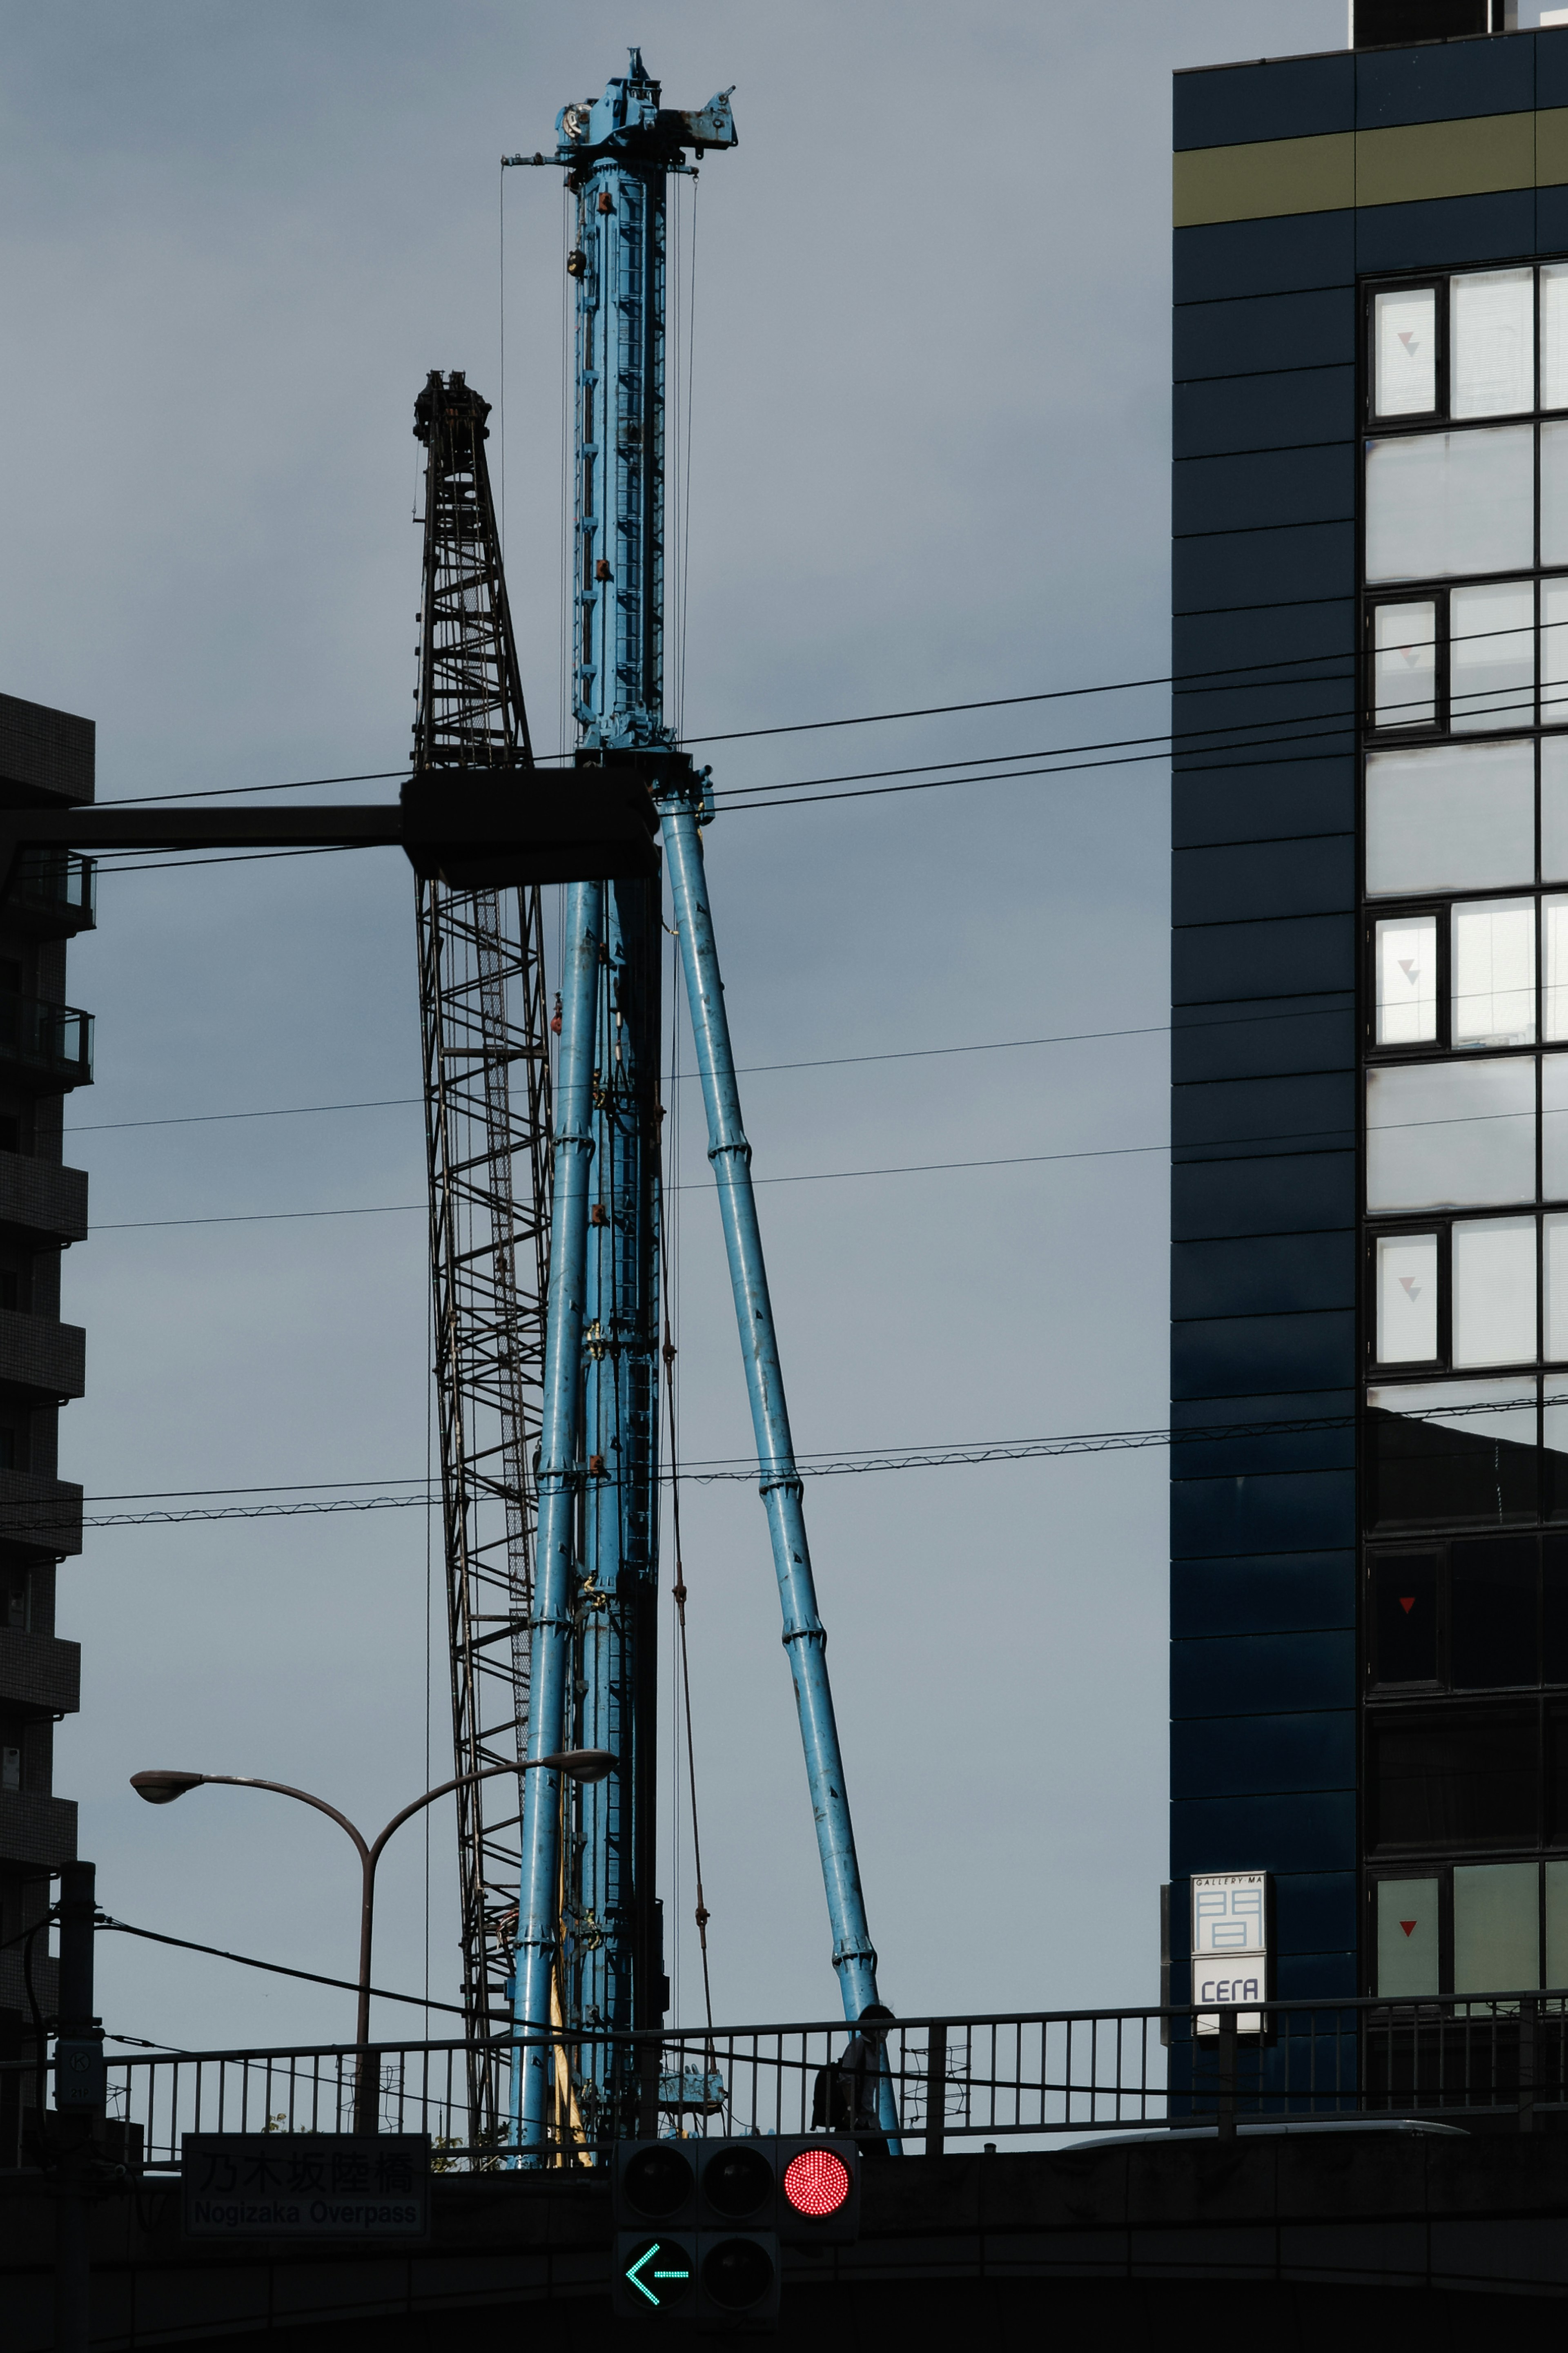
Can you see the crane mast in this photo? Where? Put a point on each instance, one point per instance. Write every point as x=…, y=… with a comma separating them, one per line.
x=589, y=1952
x=486, y=1041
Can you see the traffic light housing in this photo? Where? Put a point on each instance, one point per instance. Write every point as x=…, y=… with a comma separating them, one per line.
x=698, y=2223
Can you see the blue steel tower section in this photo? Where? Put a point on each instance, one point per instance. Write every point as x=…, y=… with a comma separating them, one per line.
x=588, y=1942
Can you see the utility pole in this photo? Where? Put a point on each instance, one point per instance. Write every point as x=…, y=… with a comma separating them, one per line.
x=70, y=2138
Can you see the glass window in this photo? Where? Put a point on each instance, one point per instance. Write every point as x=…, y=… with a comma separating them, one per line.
x=1554, y=975
x=1407, y=1298
x=1465, y=1777
x=1491, y=1612
x=1491, y=350
x=1494, y=973
x=1455, y=816
x=1497, y=1927
x=1491, y=657
x=1405, y=665
x=1406, y=954
x=1454, y=503
x=1405, y=345
x=1555, y=336
x=1557, y=1923
x=1408, y=1947
x=1404, y=1615
x=1554, y=653
x=1494, y=1291
x=1554, y=1245
x=1553, y=494
x=1453, y=1450
x=1451, y=1135
x=1554, y=1606
x=1554, y=1127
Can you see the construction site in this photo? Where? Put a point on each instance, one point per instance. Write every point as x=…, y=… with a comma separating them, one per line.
x=427, y=1899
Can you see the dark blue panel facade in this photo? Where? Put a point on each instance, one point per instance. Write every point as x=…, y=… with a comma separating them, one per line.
x=1264, y=1184
x=1264, y=1040
x=1266, y=1675
x=1310, y=877
x=1241, y=1756
x=1264, y=488
x=1219, y=571
x=1446, y=82
x=1307, y=1107
x=1291, y=98
x=1449, y=234
x=1279, y=1274
x=1222, y=414
x=1263, y=1593
x=1308, y=954
x=1233, y=259
x=1267, y=331
x=1275, y=799
x=1255, y=1196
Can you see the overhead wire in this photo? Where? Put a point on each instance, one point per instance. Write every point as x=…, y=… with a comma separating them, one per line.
x=977, y=1453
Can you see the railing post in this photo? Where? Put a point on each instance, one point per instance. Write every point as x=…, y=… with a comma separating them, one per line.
x=649, y=2047
x=1527, y=2016
x=936, y=2087
x=1226, y=2114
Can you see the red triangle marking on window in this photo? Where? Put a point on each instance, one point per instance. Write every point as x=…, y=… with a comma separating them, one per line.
x=1408, y=1926
x=1408, y=1602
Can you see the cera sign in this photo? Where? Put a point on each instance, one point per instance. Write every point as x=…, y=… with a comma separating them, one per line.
x=1230, y=1946
x=305, y=2185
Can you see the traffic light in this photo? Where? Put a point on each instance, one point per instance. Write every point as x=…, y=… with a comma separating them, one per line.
x=698, y=2223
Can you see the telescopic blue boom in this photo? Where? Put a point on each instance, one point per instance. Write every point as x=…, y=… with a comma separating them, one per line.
x=592, y=1949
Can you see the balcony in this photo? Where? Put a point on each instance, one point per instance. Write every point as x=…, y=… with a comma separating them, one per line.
x=45, y=1047
x=39, y=1196
x=37, y=1353
x=40, y=1672
x=54, y=893
x=35, y=1828
x=44, y=1514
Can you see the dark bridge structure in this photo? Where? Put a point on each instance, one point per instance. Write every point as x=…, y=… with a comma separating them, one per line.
x=1106, y=2174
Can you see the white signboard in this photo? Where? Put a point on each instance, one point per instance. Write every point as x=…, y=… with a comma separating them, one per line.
x=1230, y=1945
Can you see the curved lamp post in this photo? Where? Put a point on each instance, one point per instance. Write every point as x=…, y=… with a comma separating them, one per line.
x=161, y=1788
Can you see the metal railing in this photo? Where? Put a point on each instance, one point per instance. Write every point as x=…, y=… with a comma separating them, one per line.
x=58, y=883
x=53, y=1038
x=955, y=2081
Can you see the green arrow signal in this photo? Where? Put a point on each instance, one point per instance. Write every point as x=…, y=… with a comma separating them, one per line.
x=645, y=2256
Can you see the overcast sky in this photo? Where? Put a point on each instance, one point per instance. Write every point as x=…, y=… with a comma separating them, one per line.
x=930, y=448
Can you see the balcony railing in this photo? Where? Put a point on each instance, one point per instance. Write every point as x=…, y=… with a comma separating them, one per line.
x=55, y=891
x=48, y=1046
x=954, y=2083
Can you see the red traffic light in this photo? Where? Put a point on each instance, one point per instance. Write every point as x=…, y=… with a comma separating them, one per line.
x=817, y=2182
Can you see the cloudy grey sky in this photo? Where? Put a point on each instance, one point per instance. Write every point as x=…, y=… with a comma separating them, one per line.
x=928, y=465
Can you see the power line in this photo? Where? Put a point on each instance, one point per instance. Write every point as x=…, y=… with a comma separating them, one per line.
x=1229, y=1143
x=746, y=1069
x=276, y=1969
x=742, y=1469
x=234, y=792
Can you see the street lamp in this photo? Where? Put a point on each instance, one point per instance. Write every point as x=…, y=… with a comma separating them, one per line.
x=161, y=1788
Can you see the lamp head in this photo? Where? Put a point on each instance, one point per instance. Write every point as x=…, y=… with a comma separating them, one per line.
x=580, y=1764
x=160, y=1789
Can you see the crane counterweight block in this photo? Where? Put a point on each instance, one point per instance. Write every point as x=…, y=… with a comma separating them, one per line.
x=528, y=825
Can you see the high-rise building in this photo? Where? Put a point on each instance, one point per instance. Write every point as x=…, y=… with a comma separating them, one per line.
x=45, y=1049
x=1370, y=1519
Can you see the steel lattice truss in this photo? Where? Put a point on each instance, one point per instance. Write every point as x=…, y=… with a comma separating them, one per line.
x=487, y=1096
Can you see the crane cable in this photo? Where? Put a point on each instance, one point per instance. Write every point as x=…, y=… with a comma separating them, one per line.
x=668, y=1352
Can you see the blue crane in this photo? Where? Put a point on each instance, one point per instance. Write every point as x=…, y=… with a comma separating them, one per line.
x=588, y=1948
